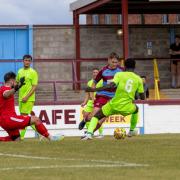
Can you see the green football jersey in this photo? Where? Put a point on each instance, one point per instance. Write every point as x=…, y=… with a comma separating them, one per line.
x=128, y=83
x=99, y=84
x=31, y=78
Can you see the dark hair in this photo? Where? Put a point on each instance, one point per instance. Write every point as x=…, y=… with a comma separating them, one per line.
x=95, y=68
x=27, y=56
x=177, y=36
x=130, y=63
x=9, y=75
x=143, y=77
x=114, y=55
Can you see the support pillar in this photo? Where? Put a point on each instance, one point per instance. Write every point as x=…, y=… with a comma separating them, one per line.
x=77, y=47
x=125, y=28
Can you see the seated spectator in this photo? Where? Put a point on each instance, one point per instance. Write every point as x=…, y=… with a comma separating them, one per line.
x=174, y=51
x=146, y=88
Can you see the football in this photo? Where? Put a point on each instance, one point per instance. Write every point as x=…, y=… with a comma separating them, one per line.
x=119, y=133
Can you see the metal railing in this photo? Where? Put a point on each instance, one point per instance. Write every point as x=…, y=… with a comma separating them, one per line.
x=54, y=84
x=74, y=80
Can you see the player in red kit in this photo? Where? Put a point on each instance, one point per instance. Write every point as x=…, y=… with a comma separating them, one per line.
x=9, y=120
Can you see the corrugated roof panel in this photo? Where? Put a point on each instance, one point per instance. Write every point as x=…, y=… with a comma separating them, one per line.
x=80, y=3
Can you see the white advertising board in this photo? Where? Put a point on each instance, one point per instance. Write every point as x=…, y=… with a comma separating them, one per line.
x=161, y=119
x=64, y=119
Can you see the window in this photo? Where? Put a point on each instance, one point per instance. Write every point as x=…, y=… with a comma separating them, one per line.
x=165, y=19
x=178, y=18
x=119, y=19
x=107, y=19
x=95, y=19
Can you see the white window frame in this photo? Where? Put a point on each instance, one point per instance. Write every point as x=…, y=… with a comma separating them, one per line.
x=165, y=19
x=108, y=19
x=119, y=19
x=178, y=18
x=95, y=19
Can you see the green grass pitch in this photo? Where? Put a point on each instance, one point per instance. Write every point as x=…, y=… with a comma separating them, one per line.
x=142, y=157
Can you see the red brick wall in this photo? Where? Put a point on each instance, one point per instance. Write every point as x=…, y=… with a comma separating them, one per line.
x=88, y=19
x=114, y=19
x=101, y=19
x=136, y=19
x=153, y=19
x=172, y=19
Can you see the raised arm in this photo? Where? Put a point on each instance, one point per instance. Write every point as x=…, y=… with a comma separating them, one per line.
x=107, y=86
x=10, y=92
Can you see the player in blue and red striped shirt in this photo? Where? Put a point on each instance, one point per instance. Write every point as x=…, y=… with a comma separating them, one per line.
x=106, y=74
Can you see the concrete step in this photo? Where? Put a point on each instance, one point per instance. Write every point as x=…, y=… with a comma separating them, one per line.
x=79, y=95
x=167, y=94
x=61, y=95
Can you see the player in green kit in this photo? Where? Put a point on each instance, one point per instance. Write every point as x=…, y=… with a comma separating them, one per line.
x=27, y=92
x=88, y=103
x=127, y=84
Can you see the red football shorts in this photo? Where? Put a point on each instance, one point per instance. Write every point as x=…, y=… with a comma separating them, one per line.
x=12, y=124
x=100, y=101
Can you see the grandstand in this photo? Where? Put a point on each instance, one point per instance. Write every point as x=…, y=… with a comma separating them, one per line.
x=63, y=67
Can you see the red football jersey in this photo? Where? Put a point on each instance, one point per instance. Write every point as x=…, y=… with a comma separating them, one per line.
x=7, y=107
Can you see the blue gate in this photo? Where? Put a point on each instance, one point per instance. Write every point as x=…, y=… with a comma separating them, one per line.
x=15, y=42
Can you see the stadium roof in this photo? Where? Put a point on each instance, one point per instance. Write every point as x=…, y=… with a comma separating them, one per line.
x=134, y=6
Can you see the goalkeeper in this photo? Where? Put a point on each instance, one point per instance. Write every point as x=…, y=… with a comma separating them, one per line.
x=27, y=92
x=9, y=120
x=127, y=83
x=88, y=103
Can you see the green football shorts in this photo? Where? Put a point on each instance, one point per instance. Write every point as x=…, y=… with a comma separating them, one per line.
x=26, y=108
x=89, y=106
x=124, y=110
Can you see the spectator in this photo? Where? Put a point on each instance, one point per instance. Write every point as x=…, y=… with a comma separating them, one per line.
x=146, y=88
x=175, y=64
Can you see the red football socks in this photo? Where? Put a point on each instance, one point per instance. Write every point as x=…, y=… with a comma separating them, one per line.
x=41, y=129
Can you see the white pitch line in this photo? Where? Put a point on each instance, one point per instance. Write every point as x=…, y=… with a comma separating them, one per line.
x=70, y=166
x=26, y=156
x=63, y=159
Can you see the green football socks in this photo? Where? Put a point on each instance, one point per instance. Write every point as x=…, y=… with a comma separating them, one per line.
x=92, y=125
x=87, y=124
x=101, y=130
x=23, y=131
x=134, y=119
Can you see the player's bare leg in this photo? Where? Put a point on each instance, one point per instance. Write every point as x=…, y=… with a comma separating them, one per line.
x=99, y=127
x=85, y=120
x=41, y=129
